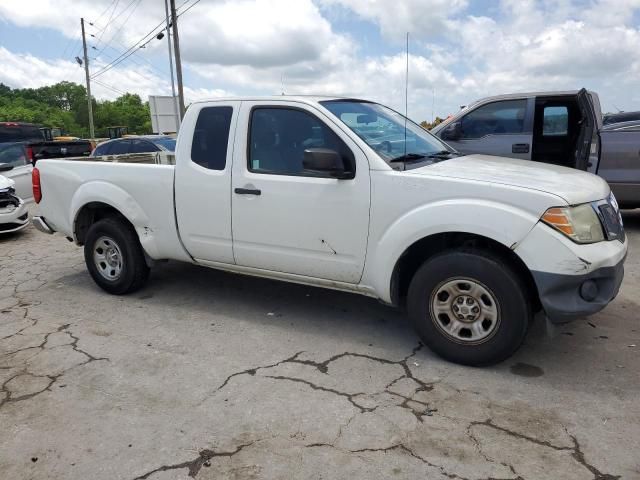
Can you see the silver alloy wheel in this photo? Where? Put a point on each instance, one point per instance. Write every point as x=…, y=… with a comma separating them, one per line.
x=465, y=310
x=107, y=258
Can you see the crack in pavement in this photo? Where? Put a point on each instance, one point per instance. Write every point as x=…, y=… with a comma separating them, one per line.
x=410, y=403
x=194, y=466
x=24, y=372
x=575, y=450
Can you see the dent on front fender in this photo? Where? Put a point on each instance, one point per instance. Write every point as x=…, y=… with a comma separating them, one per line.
x=502, y=223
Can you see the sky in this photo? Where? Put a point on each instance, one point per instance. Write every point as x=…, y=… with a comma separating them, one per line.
x=459, y=50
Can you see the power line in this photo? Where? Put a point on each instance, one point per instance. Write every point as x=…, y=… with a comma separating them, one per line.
x=121, y=25
x=110, y=87
x=106, y=25
x=131, y=50
x=188, y=8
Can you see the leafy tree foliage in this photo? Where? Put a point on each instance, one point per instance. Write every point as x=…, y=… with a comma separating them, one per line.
x=64, y=105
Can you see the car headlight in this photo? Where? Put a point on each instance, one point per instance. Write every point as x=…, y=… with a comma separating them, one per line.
x=580, y=223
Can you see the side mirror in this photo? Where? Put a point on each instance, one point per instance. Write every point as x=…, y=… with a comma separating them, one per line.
x=5, y=167
x=452, y=132
x=325, y=161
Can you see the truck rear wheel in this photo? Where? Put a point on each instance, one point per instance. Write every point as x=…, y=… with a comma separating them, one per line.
x=114, y=256
x=469, y=307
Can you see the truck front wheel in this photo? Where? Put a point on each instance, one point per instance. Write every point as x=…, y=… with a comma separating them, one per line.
x=469, y=307
x=114, y=256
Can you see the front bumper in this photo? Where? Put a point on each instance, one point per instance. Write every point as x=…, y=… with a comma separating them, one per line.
x=572, y=280
x=567, y=297
x=14, y=219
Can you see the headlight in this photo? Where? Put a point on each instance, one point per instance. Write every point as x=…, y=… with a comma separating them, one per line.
x=581, y=224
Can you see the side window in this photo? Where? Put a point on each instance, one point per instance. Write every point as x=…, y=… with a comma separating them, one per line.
x=495, y=119
x=102, y=149
x=556, y=121
x=13, y=155
x=120, y=147
x=278, y=138
x=211, y=137
x=142, y=146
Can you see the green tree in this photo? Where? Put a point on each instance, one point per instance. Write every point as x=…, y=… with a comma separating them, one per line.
x=64, y=105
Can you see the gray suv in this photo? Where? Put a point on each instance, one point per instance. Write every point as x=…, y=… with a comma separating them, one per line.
x=563, y=128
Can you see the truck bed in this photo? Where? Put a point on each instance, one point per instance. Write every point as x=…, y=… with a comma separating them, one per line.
x=141, y=190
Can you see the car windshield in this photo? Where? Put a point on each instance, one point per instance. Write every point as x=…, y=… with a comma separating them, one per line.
x=384, y=130
x=168, y=143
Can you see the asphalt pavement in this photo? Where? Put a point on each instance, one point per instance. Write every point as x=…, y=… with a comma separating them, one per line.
x=213, y=375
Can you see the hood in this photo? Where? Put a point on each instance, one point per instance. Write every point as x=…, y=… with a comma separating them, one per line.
x=6, y=183
x=574, y=186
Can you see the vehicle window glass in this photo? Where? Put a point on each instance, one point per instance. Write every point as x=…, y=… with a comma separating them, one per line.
x=211, y=137
x=167, y=142
x=13, y=155
x=120, y=147
x=32, y=133
x=102, y=149
x=142, y=146
x=494, y=119
x=279, y=137
x=556, y=121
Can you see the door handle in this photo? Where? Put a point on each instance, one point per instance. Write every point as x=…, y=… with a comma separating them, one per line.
x=247, y=191
x=520, y=148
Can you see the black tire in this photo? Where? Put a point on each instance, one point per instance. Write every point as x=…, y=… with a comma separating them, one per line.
x=133, y=271
x=444, y=273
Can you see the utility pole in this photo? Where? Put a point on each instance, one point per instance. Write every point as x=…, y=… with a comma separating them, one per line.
x=173, y=85
x=86, y=72
x=176, y=51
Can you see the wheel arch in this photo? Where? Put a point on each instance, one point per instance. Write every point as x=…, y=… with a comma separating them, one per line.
x=91, y=213
x=427, y=247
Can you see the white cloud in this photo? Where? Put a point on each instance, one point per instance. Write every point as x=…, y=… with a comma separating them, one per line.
x=420, y=17
x=265, y=46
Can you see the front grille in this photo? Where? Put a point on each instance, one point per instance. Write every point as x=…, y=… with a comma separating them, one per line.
x=611, y=221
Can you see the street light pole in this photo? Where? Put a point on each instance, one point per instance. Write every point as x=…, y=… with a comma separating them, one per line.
x=176, y=51
x=173, y=85
x=86, y=72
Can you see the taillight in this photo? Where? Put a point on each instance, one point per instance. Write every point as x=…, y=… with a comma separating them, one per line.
x=29, y=153
x=35, y=182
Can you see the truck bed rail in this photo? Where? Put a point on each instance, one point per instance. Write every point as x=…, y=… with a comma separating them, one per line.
x=154, y=158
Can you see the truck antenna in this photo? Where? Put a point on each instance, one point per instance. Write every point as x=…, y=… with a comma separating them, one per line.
x=406, y=98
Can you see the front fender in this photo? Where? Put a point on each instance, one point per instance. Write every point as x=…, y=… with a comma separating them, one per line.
x=503, y=223
x=116, y=197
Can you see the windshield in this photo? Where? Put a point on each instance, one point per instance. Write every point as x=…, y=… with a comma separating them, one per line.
x=168, y=143
x=384, y=130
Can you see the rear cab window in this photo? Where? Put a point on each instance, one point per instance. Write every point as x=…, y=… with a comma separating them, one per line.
x=211, y=137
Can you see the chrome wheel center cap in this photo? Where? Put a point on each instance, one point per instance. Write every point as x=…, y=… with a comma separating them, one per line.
x=465, y=308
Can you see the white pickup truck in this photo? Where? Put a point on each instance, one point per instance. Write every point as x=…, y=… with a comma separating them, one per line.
x=348, y=194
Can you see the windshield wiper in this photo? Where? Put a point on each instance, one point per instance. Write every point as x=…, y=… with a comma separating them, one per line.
x=418, y=156
x=407, y=157
x=442, y=153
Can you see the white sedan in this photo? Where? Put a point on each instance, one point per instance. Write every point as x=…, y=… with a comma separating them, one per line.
x=13, y=211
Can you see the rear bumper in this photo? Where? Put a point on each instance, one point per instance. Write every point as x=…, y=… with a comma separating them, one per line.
x=567, y=297
x=41, y=225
